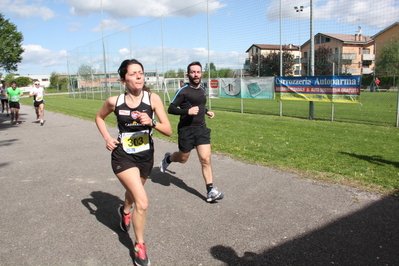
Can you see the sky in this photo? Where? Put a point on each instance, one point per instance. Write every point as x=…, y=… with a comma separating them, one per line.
x=56, y=31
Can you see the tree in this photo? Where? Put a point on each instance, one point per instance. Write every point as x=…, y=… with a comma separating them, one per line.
x=388, y=60
x=225, y=73
x=272, y=63
x=10, y=45
x=255, y=65
x=180, y=73
x=85, y=72
x=170, y=74
x=9, y=78
x=322, y=63
x=56, y=82
x=23, y=81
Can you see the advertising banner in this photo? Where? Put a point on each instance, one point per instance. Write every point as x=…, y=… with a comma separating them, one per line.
x=344, y=89
x=249, y=88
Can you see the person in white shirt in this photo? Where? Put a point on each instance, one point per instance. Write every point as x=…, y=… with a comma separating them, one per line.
x=38, y=101
x=3, y=98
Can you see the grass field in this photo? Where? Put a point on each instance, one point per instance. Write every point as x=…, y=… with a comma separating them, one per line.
x=362, y=155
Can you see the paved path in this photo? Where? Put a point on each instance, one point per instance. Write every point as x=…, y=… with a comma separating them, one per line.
x=59, y=199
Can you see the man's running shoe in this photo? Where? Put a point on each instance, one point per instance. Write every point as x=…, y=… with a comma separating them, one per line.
x=214, y=195
x=125, y=219
x=164, y=164
x=140, y=255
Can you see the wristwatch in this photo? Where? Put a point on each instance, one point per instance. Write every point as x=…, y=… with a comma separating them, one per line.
x=154, y=123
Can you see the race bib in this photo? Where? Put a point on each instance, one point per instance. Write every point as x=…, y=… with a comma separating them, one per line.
x=134, y=142
x=14, y=98
x=38, y=99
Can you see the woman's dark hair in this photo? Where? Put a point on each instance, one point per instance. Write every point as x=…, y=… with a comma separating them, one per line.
x=123, y=69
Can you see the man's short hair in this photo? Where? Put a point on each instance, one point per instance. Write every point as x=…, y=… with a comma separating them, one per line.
x=195, y=63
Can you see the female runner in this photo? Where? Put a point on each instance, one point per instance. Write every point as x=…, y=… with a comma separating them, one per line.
x=133, y=151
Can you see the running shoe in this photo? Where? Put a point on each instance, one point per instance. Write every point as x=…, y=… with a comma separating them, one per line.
x=164, y=164
x=213, y=195
x=125, y=219
x=16, y=123
x=140, y=255
x=41, y=122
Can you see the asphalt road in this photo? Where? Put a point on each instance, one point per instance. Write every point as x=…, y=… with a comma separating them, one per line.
x=59, y=200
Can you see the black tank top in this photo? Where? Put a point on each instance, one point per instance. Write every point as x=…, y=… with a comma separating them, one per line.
x=128, y=122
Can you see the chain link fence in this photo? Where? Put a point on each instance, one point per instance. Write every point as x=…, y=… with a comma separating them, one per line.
x=220, y=36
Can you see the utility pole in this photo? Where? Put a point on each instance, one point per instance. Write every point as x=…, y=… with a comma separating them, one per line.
x=311, y=103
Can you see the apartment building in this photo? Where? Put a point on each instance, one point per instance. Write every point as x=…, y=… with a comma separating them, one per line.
x=384, y=36
x=348, y=54
x=265, y=49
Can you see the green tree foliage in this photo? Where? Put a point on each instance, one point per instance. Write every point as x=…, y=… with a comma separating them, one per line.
x=255, y=66
x=388, y=60
x=57, y=82
x=170, y=74
x=211, y=68
x=9, y=78
x=322, y=62
x=270, y=65
x=86, y=72
x=225, y=73
x=272, y=62
x=180, y=73
x=10, y=45
x=23, y=81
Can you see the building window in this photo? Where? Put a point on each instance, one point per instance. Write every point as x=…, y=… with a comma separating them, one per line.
x=366, y=51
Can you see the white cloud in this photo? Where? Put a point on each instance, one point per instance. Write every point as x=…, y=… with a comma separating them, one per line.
x=109, y=25
x=74, y=26
x=134, y=8
x=26, y=10
x=351, y=12
x=36, y=55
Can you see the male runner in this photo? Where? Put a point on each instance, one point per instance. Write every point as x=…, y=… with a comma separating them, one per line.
x=38, y=102
x=189, y=102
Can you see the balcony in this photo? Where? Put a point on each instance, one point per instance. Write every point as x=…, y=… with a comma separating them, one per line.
x=343, y=56
x=367, y=70
x=368, y=57
x=349, y=70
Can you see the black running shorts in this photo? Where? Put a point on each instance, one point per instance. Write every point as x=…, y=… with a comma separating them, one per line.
x=120, y=162
x=14, y=105
x=190, y=137
x=37, y=104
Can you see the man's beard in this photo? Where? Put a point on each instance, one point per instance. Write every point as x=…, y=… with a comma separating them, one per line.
x=193, y=81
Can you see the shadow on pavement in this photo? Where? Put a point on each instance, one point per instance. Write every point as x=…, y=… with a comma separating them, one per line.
x=166, y=179
x=367, y=237
x=104, y=207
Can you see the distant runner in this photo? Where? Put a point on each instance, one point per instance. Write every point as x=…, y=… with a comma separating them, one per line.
x=13, y=93
x=38, y=101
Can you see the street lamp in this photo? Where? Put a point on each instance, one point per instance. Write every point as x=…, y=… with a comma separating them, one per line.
x=299, y=10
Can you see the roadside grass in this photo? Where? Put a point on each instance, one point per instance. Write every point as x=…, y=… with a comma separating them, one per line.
x=358, y=155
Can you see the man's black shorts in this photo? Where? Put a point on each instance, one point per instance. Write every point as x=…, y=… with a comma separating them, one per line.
x=37, y=104
x=14, y=105
x=190, y=137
